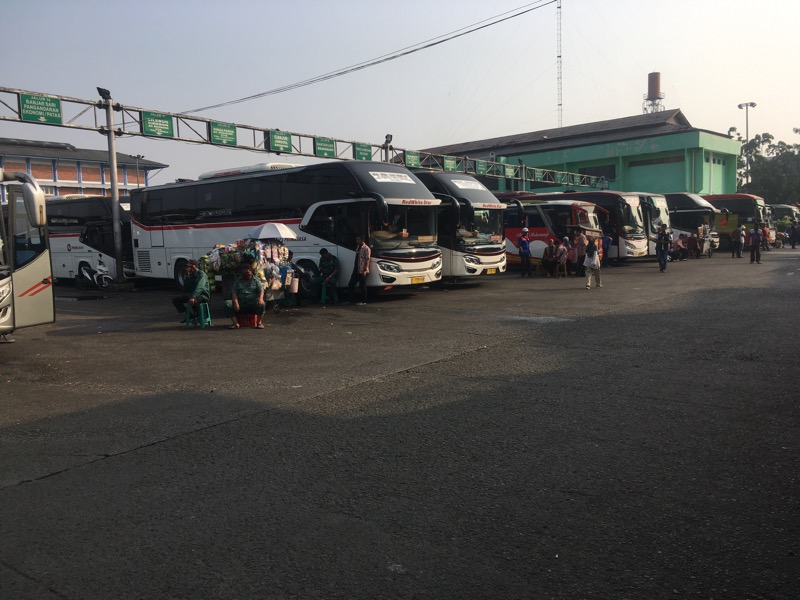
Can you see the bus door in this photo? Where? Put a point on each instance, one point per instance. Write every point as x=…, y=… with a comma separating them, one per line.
x=25, y=259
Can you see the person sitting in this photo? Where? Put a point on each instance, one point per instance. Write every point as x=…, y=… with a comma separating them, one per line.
x=328, y=270
x=693, y=247
x=549, y=260
x=679, y=251
x=197, y=288
x=247, y=298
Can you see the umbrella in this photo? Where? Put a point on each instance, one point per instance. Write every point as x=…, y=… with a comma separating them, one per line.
x=271, y=231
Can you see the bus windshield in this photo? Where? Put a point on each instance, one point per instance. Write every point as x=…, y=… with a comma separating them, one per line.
x=486, y=228
x=588, y=220
x=408, y=227
x=632, y=221
x=659, y=213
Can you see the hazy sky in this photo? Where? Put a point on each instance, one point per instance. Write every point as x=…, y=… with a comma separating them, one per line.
x=174, y=56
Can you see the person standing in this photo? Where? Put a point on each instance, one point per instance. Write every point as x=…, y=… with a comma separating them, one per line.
x=524, y=247
x=793, y=234
x=581, y=242
x=607, y=240
x=549, y=262
x=360, y=271
x=755, y=244
x=197, y=288
x=247, y=298
x=591, y=263
x=663, y=243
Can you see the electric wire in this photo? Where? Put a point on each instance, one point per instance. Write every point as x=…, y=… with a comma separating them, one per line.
x=384, y=58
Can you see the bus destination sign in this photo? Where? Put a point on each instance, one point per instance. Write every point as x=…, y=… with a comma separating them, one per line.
x=157, y=124
x=223, y=134
x=34, y=108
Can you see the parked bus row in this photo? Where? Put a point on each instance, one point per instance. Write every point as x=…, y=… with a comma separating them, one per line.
x=422, y=227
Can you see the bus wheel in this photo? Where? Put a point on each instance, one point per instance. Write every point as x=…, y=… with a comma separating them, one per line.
x=307, y=288
x=180, y=273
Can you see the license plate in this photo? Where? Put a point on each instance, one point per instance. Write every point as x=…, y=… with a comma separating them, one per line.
x=417, y=280
x=491, y=271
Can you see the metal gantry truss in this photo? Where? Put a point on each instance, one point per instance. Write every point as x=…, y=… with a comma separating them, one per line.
x=76, y=113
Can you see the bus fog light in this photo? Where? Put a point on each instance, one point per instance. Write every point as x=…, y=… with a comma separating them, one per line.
x=390, y=267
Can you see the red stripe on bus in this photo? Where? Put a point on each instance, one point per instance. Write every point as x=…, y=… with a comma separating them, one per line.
x=215, y=225
x=39, y=287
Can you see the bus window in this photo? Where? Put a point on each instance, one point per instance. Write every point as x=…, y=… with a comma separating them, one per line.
x=349, y=225
x=321, y=224
x=28, y=241
x=181, y=206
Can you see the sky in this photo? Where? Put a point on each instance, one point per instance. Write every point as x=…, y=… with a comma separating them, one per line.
x=177, y=55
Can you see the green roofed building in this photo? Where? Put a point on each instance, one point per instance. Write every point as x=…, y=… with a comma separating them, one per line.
x=655, y=152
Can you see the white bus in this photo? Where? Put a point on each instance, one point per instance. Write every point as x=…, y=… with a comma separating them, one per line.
x=656, y=213
x=80, y=230
x=470, y=225
x=327, y=205
x=26, y=281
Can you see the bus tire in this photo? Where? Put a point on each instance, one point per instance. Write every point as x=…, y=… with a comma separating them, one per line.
x=180, y=274
x=307, y=288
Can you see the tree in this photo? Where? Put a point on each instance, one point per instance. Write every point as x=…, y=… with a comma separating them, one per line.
x=774, y=168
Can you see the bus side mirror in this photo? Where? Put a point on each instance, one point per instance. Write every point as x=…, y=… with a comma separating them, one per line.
x=32, y=195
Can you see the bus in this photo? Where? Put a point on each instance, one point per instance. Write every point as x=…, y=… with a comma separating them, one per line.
x=689, y=213
x=470, y=225
x=737, y=210
x=326, y=205
x=623, y=219
x=81, y=232
x=656, y=213
x=785, y=215
x=26, y=280
x=546, y=220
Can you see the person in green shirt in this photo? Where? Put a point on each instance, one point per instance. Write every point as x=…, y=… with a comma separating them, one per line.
x=197, y=290
x=247, y=298
x=328, y=270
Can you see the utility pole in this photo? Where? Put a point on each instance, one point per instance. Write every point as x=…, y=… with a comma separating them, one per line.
x=112, y=166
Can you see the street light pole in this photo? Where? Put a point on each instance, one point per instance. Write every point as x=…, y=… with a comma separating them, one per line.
x=137, y=158
x=108, y=104
x=747, y=106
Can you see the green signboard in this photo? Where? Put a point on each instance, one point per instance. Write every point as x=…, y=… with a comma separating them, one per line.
x=411, y=158
x=223, y=134
x=280, y=141
x=157, y=124
x=450, y=163
x=362, y=151
x=324, y=147
x=509, y=171
x=481, y=168
x=40, y=109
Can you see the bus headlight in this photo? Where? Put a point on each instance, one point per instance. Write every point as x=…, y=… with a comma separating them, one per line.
x=5, y=292
x=630, y=246
x=472, y=260
x=390, y=267
x=436, y=263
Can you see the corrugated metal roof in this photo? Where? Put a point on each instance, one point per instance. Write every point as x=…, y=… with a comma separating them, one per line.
x=61, y=151
x=645, y=125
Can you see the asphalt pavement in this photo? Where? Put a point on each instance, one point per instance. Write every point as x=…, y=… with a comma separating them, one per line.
x=514, y=438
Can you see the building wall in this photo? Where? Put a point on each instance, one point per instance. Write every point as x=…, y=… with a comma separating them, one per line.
x=696, y=161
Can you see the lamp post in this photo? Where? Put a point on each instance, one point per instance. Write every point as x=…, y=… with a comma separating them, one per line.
x=109, y=106
x=386, y=147
x=137, y=158
x=747, y=106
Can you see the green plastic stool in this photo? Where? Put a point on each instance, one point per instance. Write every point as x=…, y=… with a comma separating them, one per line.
x=203, y=318
x=334, y=293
